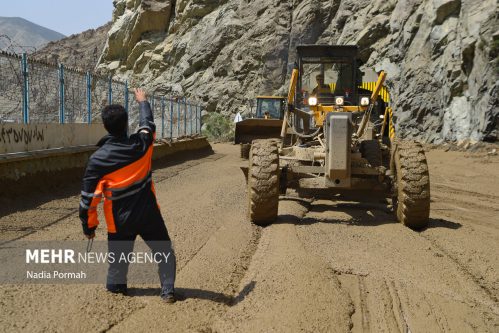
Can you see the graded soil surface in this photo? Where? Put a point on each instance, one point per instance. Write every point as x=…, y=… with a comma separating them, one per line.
x=327, y=264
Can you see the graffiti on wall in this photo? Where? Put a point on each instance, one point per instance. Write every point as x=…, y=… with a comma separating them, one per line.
x=9, y=135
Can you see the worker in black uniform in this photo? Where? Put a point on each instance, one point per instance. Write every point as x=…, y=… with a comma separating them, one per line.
x=120, y=172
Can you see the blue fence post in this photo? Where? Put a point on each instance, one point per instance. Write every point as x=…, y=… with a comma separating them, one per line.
x=178, y=119
x=190, y=119
x=24, y=68
x=196, y=107
x=171, y=119
x=110, y=91
x=162, y=117
x=185, y=116
x=195, y=120
x=89, y=98
x=61, y=94
x=200, y=119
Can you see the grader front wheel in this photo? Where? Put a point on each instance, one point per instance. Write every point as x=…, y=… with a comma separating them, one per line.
x=412, y=197
x=263, y=182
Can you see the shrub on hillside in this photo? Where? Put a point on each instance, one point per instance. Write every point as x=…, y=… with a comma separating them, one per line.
x=218, y=127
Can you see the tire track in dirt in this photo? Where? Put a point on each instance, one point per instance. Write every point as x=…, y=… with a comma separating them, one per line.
x=293, y=290
x=354, y=286
x=442, y=187
x=397, y=306
x=464, y=197
x=478, y=280
x=394, y=316
x=392, y=260
x=461, y=200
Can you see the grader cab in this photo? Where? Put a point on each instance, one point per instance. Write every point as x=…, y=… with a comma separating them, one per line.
x=265, y=123
x=342, y=140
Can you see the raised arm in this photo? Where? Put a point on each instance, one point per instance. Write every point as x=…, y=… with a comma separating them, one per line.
x=146, y=119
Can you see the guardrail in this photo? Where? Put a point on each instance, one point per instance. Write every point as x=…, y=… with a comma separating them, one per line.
x=36, y=92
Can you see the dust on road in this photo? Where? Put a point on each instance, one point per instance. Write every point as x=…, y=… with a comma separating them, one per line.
x=326, y=265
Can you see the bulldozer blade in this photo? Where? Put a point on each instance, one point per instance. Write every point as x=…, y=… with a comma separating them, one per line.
x=251, y=129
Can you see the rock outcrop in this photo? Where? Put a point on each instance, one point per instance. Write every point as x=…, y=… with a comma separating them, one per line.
x=440, y=55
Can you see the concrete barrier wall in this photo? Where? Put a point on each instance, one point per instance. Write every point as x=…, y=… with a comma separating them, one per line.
x=15, y=138
x=51, y=163
x=165, y=149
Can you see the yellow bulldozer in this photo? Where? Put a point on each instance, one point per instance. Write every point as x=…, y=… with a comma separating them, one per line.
x=342, y=141
x=266, y=123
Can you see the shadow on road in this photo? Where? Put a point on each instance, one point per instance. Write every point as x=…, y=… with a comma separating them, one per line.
x=355, y=213
x=186, y=293
x=442, y=223
x=33, y=191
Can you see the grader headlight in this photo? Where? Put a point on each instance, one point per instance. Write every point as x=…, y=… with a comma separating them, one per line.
x=364, y=101
x=312, y=101
x=339, y=101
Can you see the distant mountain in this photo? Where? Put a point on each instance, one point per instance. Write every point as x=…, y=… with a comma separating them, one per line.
x=79, y=50
x=23, y=35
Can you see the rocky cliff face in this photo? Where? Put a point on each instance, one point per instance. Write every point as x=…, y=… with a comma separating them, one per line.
x=440, y=55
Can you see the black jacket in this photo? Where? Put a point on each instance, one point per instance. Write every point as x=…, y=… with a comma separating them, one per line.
x=120, y=172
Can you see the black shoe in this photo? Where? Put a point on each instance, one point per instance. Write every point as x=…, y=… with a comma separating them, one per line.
x=169, y=298
x=117, y=289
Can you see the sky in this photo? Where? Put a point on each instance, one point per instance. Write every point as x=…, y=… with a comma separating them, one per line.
x=64, y=16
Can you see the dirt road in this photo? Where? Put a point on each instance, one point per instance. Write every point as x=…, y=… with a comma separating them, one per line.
x=326, y=265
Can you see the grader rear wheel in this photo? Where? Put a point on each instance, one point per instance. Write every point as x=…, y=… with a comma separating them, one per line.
x=412, y=202
x=263, y=182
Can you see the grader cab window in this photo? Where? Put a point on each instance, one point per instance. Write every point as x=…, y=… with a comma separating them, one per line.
x=327, y=80
x=271, y=108
x=326, y=73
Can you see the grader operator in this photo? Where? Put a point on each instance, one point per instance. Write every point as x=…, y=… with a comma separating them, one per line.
x=338, y=142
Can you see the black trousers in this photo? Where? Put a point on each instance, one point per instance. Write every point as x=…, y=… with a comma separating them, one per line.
x=153, y=232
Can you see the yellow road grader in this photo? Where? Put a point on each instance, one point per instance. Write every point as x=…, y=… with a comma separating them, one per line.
x=265, y=124
x=341, y=140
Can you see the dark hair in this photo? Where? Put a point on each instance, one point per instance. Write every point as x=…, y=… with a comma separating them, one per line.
x=115, y=119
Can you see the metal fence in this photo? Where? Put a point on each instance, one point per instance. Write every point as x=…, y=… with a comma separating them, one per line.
x=37, y=92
